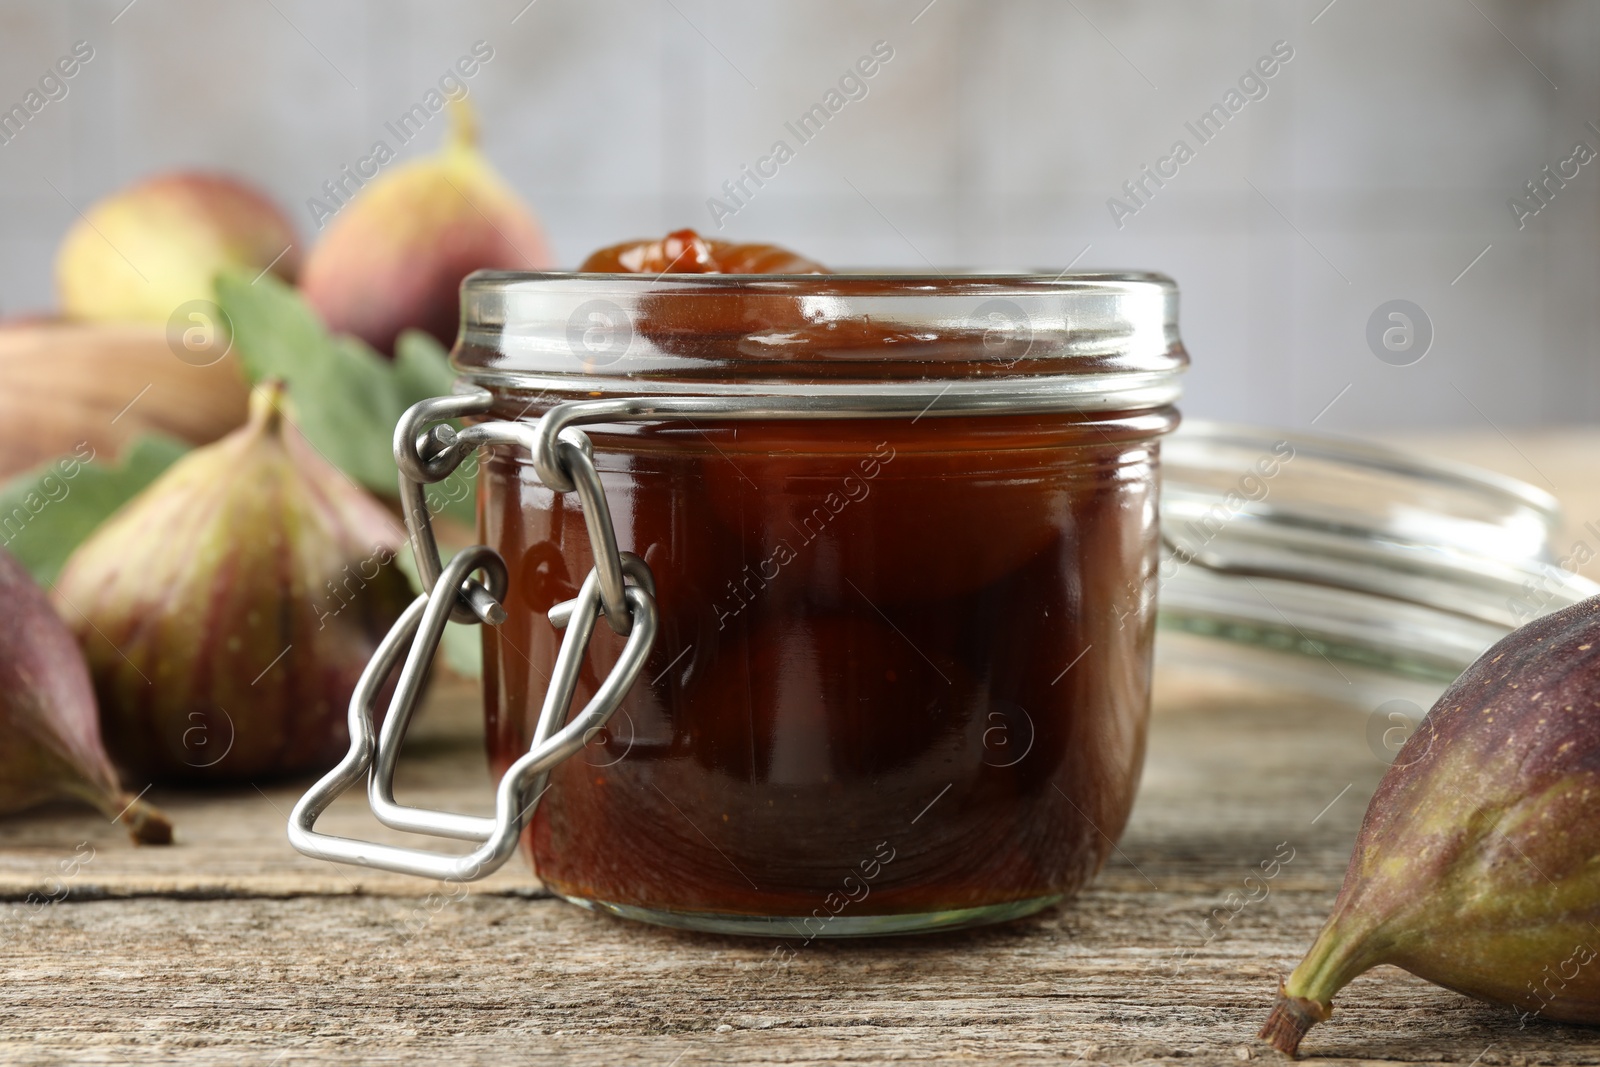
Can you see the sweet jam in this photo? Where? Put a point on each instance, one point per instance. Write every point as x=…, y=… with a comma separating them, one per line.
x=902, y=667
x=686, y=252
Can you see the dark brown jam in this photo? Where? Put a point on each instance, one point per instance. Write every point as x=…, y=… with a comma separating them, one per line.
x=902, y=666
x=686, y=252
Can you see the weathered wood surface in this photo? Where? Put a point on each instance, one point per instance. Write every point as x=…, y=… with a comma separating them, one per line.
x=231, y=948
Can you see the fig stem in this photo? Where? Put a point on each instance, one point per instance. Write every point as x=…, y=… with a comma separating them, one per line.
x=146, y=824
x=1305, y=998
x=463, y=124
x=1290, y=1019
x=266, y=405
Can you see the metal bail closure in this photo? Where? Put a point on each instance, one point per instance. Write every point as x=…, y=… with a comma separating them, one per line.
x=429, y=449
x=630, y=608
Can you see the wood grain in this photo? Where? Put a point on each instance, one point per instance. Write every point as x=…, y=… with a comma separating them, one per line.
x=229, y=948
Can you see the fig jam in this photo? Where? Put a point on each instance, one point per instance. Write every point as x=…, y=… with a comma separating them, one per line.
x=902, y=672
x=686, y=252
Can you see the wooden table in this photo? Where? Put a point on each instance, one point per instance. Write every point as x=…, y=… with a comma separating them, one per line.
x=231, y=948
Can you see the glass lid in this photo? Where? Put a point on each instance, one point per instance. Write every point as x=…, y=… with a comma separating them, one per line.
x=1354, y=557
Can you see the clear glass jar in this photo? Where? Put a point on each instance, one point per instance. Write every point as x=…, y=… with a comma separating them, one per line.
x=902, y=673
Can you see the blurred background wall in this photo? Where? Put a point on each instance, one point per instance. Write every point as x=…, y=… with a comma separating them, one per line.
x=1374, y=165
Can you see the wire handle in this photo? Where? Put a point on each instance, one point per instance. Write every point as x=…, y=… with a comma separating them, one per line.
x=428, y=450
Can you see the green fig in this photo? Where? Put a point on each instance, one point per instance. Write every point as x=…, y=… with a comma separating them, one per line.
x=1477, y=866
x=49, y=736
x=228, y=609
x=393, y=257
x=140, y=254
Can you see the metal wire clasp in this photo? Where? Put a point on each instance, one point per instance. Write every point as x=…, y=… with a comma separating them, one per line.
x=620, y=587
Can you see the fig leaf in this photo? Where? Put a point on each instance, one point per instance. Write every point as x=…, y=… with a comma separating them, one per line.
x=47, y=512
x=345, y=397
x=422, y=366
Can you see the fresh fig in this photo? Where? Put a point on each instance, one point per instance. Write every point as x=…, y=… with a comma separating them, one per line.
x=1477, y=866
x=228, y=609
x=49, y=735
x=139, y=255
x=393, y=258
x=67, y=386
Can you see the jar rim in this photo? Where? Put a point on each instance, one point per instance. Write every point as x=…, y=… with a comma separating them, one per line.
x=1067, y=340
x=932, y=282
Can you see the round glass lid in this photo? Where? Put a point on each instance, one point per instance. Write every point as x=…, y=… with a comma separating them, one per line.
x=1362, y=557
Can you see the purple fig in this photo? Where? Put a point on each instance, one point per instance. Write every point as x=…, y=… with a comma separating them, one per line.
x=1478, y=862
x=228, y=609
x=49, y=734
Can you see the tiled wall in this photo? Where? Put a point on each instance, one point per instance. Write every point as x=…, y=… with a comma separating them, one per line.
x=1377, y=165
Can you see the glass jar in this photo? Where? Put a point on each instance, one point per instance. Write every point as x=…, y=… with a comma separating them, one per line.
x=882, y=554
x=902, y=674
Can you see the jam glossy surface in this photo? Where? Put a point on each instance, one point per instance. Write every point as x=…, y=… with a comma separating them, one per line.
x=926, y=640
x=686, y=252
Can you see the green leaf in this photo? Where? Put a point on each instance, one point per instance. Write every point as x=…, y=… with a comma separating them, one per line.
x=346, y=397
x=50, y=510
x=422, y=367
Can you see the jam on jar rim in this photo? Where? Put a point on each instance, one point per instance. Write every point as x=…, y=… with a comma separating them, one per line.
x=842, y=281
x=1099, y=341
